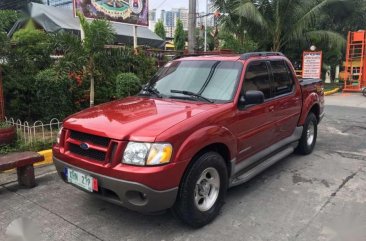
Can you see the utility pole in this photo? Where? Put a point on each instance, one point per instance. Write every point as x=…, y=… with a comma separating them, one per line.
x=192, y=25
x=205, y=47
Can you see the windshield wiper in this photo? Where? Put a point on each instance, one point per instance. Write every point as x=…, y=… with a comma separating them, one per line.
x=189, y=93
x=152, y=90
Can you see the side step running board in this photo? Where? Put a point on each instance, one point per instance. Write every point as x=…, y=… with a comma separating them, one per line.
x=261, y=166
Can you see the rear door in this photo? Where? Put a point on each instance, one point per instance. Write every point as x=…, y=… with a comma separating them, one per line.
x=287, y=99
x=253, y=125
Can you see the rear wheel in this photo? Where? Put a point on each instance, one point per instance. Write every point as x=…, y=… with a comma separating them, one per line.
x=309, y=135
x=364, y=91
x=202, y=191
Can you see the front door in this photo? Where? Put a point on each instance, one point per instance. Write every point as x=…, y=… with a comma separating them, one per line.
x=287, y=99
x=253, y=125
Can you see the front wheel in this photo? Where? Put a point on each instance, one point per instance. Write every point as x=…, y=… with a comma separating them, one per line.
x=309, y=135
x=202, y=191
x=364, y=91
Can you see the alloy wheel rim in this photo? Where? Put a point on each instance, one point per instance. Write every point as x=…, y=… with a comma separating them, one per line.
x=310, y=134
x=207, y=189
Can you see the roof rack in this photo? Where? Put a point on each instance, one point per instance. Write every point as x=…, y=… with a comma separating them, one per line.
x=201, y=53
x=259, y=54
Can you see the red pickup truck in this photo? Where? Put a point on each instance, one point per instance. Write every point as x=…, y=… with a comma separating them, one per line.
x=203, y=124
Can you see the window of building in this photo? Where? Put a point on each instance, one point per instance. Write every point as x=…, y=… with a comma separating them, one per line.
x=356, y=70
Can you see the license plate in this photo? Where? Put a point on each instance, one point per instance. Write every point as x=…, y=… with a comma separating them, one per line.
x=81, y=180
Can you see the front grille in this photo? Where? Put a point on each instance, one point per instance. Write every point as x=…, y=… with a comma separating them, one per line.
x=91, y=153
x=83, y=137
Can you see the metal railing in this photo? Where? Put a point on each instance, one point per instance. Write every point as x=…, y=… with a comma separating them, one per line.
x=37, y=131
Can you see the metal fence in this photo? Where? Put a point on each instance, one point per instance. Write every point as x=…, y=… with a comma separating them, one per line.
x=36, y=131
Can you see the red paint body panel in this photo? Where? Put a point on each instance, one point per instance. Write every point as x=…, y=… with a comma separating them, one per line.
x=189, y=126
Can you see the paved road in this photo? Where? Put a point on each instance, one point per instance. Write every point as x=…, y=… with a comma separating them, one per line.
x=306, y=198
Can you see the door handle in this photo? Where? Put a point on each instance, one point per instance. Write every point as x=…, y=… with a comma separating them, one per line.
x=271, y=108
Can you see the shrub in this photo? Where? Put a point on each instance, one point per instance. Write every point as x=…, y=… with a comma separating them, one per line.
x=127, y=84
x=19, y=146
x=52, y=96
x=3, y=124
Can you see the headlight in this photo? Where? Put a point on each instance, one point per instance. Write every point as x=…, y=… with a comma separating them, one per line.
x=59, y=135
x=141, y=154
x=159, y=154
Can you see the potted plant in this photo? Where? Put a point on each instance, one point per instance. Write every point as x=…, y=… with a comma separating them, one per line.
x=7, y=132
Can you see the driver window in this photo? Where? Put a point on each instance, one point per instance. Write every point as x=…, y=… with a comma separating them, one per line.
x=257, y=78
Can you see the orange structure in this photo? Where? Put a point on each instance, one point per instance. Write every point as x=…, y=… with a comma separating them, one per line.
x=355, y=65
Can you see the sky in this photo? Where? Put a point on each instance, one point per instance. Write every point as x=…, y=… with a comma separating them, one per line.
x=169, y=4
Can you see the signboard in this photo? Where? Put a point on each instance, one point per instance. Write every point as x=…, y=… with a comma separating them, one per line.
x=312, y=65
x=122, y=11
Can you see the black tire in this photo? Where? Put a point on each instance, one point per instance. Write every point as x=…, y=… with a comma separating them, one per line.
x=185, y=207
x=364, y=91
x=304, y=147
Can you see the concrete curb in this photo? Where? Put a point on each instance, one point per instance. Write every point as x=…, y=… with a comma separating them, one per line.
x=47, y=158
x=330, y=92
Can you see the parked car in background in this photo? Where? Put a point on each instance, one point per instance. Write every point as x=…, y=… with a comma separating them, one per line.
x=202, y=125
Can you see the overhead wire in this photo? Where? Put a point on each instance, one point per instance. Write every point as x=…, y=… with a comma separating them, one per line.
x=161, y=4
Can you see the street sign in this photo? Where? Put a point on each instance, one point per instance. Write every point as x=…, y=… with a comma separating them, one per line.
x=312, y=65
x=123, y=11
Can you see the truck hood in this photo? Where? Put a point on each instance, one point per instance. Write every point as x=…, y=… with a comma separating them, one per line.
x=134, y=118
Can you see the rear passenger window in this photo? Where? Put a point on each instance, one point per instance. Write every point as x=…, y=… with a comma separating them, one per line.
x=282, y=78
x=257, y=78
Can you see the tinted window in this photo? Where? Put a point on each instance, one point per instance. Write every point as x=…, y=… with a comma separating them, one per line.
x=257, y=78
x=282, y=78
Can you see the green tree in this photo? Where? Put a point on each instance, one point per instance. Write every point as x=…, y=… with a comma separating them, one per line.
x=179, y=36
x=17, y=4
x=97, y=34
x=344, y=17
x=160, y=29
x=229, y=41
x=30, y=53
x=275, y=24
x=8, y=18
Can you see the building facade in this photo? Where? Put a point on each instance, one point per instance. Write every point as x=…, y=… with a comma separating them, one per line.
x=59, y=3
x=170, y=18
x=152, y=15
x=152, y=19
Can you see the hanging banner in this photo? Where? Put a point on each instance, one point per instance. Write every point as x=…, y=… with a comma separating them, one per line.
x=312, y=65
x=123, y=11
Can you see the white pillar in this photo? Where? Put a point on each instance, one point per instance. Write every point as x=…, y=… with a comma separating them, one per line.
x=337, y=74
x=327, y=75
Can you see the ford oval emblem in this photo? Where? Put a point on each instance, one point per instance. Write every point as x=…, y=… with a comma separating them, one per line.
x=84, y=146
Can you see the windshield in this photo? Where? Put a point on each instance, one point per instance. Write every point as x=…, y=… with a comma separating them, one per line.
x=214, y=80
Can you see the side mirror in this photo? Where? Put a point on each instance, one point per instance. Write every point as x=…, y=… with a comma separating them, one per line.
x=251, y=97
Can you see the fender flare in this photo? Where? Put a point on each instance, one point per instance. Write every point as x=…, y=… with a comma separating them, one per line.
x=310, y=101
x=204, y=137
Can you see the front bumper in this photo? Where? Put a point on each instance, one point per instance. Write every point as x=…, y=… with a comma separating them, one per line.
x=132, y=195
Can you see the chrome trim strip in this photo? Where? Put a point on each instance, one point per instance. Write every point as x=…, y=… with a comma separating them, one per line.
x=256, y=157
x=261, y=167
x=246, y=149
